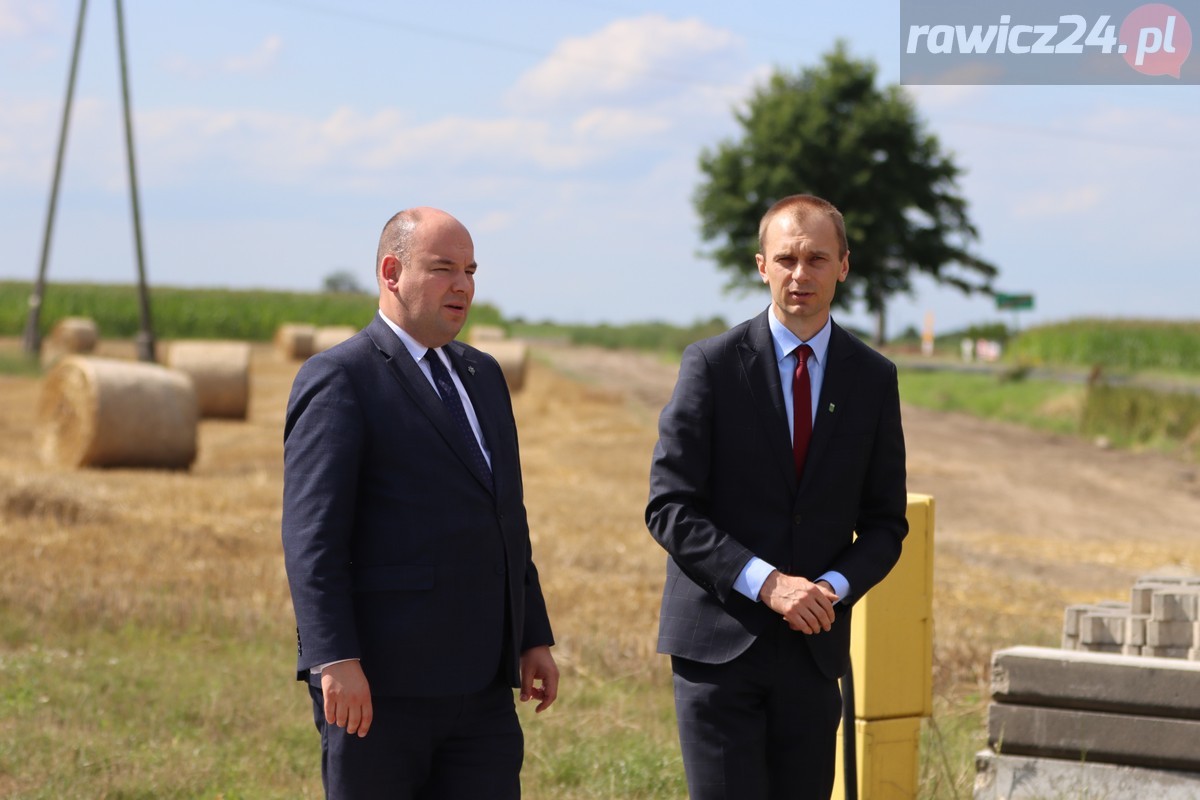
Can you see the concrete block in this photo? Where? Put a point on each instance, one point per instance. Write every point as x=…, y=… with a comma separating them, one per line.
x=1135, y=629
x=1095, y=736
x=1120, y=684
x=1100, y=648
x=1074, y=613
x=1178, y=604
x=1071, y=615
x=1141, y=596
x=1169, y=634
x=1165, y=652
x=1004, y=777
x=1131, y=649
x=1169, y=580
x=1102, y=626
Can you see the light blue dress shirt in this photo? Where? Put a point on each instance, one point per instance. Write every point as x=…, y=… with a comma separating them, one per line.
x=755, y=573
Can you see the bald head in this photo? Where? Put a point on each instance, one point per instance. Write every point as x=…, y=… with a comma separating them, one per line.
x=396, y=238
x=426, y=272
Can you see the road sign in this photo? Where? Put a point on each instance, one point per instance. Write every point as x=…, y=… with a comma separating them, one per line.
x=1014, y=302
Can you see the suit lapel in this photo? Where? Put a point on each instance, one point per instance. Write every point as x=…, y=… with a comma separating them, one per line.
x=413, y=381
x=760, y=373
x=466, y=364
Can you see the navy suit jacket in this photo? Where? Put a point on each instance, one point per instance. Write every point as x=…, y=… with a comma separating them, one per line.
x=723, y=488
x=398, y=552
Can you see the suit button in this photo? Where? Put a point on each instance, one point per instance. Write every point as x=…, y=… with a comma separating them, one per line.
x=796, y=520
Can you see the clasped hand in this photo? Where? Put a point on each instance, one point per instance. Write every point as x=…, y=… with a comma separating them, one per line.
x=807, y=607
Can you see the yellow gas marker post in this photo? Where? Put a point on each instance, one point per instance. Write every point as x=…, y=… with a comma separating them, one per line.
x=891, y=649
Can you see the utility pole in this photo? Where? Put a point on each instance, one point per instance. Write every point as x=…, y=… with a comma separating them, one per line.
x=32, y=341
x=145, y=338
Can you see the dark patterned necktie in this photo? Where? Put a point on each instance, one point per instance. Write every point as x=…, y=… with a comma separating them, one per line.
x=453, y=403
x=801, y=408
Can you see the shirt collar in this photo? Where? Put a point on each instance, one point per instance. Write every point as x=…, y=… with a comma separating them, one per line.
x=415, y=348
x=786, y=341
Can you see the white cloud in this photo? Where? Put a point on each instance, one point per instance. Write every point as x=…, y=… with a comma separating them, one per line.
x=361, y=148
x=617, y=124
x=259, y=60
x=29, y=132
x=23, y=17
x=630, y=58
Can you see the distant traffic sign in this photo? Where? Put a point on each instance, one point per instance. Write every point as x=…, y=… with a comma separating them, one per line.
x=1014, y=302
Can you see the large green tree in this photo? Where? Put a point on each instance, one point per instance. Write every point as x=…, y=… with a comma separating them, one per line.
x=831, y=132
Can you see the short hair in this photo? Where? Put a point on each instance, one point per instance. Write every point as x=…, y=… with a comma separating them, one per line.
x=397, y=235
x=802, y=207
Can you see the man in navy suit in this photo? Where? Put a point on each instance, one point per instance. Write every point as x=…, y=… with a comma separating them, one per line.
x=777, y=488
x=406, y=542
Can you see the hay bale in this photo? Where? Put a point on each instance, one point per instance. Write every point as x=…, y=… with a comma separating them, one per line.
x=329, y=335
x=220, y=371
x=70, y=335
x=101, y=412
x=75, y=334
x=513, y=356
x=294, y=340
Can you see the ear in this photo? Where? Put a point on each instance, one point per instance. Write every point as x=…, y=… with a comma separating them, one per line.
x=845, y=267
x=761, y=261
x=389, y=271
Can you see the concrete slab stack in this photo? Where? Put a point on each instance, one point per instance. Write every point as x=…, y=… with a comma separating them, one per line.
x=1115, y=714
x=1161, y=619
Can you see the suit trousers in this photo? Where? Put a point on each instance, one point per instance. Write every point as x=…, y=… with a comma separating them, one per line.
x=760, y=727
x=459, y=747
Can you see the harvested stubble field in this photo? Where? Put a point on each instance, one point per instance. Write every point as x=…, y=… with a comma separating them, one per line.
x=146, y=636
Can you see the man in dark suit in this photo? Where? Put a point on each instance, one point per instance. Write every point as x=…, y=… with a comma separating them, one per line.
x=778, y=490
x=406, y=542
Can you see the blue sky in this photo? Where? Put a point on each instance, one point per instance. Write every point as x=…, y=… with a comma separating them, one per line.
x=274, y=138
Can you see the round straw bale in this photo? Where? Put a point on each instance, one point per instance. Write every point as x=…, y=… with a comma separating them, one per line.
x=69, y=335
x=295, y=340
x=220, y=371
x=101, y=412
x=329, y=335
x=75, y=334
x=486, y=333
x=513, y=357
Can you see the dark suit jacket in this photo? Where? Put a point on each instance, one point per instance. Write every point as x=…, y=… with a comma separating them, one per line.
x=723, y=488
x=397, y=552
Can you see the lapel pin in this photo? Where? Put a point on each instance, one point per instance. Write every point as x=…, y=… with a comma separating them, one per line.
x=831, y=408
x=471, y=370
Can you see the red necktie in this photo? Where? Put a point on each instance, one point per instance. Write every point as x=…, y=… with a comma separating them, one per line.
x=801, y=408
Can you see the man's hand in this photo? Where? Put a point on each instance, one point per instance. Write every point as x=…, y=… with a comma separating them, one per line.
x=805, y=606
x=347, y=697
x=539, y=677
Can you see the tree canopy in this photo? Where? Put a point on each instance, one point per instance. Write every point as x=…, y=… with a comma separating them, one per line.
x=342, y=281
x=829, y=131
